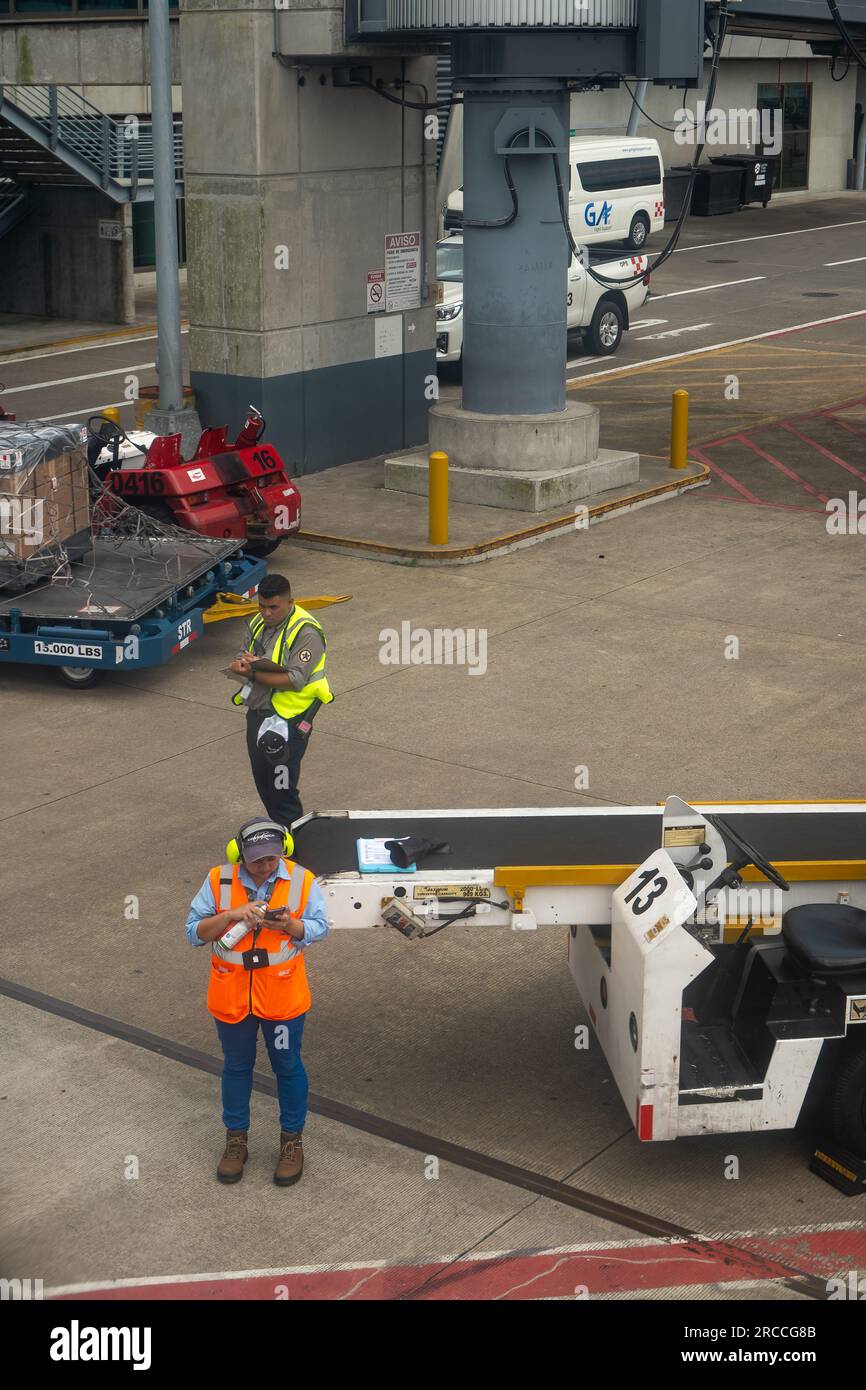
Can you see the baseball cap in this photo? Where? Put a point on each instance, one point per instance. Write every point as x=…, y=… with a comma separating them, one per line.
x=261, y=843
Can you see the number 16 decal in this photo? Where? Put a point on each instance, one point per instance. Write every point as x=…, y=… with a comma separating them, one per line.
x=649, y=876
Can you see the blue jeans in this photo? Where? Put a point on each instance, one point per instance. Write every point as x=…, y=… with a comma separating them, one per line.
x=284, y=1049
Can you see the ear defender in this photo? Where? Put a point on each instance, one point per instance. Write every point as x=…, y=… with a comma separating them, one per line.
x=234, y=853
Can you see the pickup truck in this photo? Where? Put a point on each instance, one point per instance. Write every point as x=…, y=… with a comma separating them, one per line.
x=596, y=312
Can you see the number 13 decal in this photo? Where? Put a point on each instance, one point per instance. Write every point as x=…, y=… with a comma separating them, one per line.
x=659, y=883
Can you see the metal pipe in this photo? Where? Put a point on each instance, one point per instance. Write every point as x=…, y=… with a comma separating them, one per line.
x=168, y=358
x=637, y=101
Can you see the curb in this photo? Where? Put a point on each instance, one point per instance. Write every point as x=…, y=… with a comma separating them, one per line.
x=117, y=335
x=503, y=545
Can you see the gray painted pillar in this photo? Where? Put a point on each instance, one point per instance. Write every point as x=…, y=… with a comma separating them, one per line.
x=515, y=277
x=165, y=210
x=860, y=162
x=638, y=100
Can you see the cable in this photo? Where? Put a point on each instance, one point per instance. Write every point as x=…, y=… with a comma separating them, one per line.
x=833, y=61
x=507, y=221
x=470, y=911
x=671, y=247
x=846, y=34
x=412, y=105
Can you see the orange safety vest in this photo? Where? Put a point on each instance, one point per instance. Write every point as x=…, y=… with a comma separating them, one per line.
x=278, y=989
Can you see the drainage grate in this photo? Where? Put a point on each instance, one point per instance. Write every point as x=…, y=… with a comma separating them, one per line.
x=819, y=294
x=723, y=262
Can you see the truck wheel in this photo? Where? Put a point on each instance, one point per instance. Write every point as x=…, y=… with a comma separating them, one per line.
x=638, y=231
x=262, y=548
x=605, y=332
x=79, y=677
x=848, y=1106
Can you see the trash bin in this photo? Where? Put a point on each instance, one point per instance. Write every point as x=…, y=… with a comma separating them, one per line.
x=759, y=175
x=676, y=190
x=718, y=189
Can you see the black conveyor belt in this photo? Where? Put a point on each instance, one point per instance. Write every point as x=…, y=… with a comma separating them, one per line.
x=327, y=844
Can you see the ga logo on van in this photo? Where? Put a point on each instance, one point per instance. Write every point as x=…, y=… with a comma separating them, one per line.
x=597, y=217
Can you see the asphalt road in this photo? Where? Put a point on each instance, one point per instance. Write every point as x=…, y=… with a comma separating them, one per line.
x=733, y=278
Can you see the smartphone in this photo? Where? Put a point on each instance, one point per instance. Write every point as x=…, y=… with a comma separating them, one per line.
x=273, y=914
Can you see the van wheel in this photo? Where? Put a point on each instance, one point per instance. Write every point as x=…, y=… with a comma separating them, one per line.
x=848, y=1106
x=605, y=332
x=639, y=231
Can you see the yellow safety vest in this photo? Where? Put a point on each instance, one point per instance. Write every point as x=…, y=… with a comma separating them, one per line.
x=291, y=704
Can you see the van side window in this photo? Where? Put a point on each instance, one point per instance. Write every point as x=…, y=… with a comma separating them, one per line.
x=604, y=175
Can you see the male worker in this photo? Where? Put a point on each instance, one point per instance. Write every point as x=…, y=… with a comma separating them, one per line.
x=259, y=980
x=282, y=702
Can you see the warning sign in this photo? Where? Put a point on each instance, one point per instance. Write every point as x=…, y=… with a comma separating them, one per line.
x=375, y=291
x=402, y=271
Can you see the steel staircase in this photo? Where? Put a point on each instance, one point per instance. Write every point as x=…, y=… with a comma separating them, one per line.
x=53, y=136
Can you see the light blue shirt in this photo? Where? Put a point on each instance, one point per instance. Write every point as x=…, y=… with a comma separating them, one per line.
x=315, y=918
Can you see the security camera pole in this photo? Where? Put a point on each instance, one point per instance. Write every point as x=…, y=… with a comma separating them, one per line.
x=170, y=416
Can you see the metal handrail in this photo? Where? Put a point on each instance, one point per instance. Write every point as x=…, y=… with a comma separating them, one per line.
x=115, y=150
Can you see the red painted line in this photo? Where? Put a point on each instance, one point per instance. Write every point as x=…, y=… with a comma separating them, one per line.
x=601, y=1270
x=807, y=327
x=782, y=467
x=834, y=458
x=852, y=429
x=773, y=506
x=744, y=492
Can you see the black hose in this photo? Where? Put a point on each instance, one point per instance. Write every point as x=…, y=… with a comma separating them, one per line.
x=671, y=247
x=846, y=35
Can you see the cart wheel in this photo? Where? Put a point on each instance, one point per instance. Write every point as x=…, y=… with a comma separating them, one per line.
x=79, y=677
x=262, y=548
x=848, y=1109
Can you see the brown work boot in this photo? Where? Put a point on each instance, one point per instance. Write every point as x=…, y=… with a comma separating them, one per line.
x=290, y=1164
x=231, y=1165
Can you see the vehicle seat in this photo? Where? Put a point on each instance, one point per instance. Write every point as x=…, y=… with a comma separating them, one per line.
x=826, y=937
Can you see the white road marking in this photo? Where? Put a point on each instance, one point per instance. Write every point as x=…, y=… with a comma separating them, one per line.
x=85, y=411
x=714, y=347
x=702, y=289
x=85, y=347
x=854, y=261
x=768, y=236
x=673, y=332
x=650, y=323
x=68, y=380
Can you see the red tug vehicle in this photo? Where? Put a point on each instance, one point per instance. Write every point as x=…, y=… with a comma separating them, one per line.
x=238, y=490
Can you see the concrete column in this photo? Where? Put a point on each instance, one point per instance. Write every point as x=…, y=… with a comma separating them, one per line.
x=56, y=264
x=515, y=276
x=289, y=196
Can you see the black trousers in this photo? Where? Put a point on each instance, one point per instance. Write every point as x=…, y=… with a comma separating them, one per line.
x=277, y=783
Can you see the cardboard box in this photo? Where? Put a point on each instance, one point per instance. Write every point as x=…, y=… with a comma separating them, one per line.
x=44, y=494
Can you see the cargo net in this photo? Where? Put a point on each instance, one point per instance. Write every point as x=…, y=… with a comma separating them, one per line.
x=60, y=525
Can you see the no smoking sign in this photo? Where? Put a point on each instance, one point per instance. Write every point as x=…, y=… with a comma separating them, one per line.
x=375, y=291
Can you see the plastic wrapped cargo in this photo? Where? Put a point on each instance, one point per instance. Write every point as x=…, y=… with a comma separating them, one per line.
x=44, y=490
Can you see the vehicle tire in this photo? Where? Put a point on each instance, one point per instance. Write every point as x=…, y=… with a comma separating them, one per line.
x=638, y=231
x=605, y=332
x=262, y=548
x=848, y=1104
x=79, y=677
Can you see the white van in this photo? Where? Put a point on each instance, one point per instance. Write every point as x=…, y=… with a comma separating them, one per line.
x=617, y=190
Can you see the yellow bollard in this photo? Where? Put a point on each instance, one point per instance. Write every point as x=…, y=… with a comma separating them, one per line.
x=680, y=430
x=438, y=499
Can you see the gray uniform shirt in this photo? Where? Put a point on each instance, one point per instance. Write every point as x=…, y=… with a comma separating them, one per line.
x=298, y=663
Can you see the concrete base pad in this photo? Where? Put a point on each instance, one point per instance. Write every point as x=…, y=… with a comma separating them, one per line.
x=521, y=491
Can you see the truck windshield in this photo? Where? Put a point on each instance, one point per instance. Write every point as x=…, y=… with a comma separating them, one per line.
x=449, y=261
